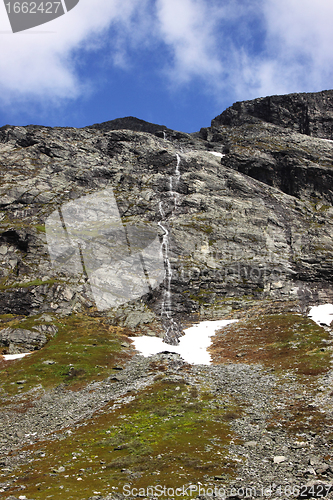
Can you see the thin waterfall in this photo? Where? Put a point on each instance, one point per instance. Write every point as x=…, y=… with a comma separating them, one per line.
x=172, y=329
x=177, y=168
x=166, y=304
x=173, y=182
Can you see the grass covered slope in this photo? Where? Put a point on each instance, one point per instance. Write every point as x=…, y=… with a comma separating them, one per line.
x=168, y=435
x=281, y=341
x=84, y=349
x=165, y=423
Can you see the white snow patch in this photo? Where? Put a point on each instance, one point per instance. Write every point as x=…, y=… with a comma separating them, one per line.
x=322, y=315
x=10, y=357
x=220, y=155
x=192, y=346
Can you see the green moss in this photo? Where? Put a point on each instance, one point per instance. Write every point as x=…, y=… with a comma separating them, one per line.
x=282, y=341
x=318, y=206
x=170, y=435
x=202, y=297
x=36, y=282
x=320, y=248
x=301, y=417
x=83, y=350
x=201, y=227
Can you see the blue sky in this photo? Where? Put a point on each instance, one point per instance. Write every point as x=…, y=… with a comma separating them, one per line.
x=174, y=62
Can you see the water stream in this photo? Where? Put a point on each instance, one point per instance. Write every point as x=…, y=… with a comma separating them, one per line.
x=171, y=327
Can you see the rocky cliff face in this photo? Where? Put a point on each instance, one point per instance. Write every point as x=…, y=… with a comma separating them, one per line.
x=251, y=222
x=127, y=227
x=310, y=114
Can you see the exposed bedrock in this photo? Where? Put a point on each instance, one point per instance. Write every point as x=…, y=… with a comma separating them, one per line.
x=254, y=224
x=307, y=113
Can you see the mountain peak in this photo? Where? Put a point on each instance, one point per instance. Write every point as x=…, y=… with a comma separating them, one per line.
x=307, y=113
x=129, y=123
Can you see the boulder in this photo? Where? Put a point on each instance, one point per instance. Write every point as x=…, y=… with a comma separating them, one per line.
x=19, y=340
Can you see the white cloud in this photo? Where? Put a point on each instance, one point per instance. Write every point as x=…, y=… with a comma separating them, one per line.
x=207, y=39
x=42, y=66
x=189, y=28
x=37, y=64
x=302, y=26
x=298, y=48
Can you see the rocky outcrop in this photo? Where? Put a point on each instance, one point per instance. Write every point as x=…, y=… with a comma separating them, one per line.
x=18, y=340
x=255, y=224
x=129, y=123
x=310, y=114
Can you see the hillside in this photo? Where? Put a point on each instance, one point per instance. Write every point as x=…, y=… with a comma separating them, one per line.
x=127, y=228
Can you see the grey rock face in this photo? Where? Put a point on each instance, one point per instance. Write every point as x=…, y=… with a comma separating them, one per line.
x=310, y=114
x=18, y=340
x=256, y=224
